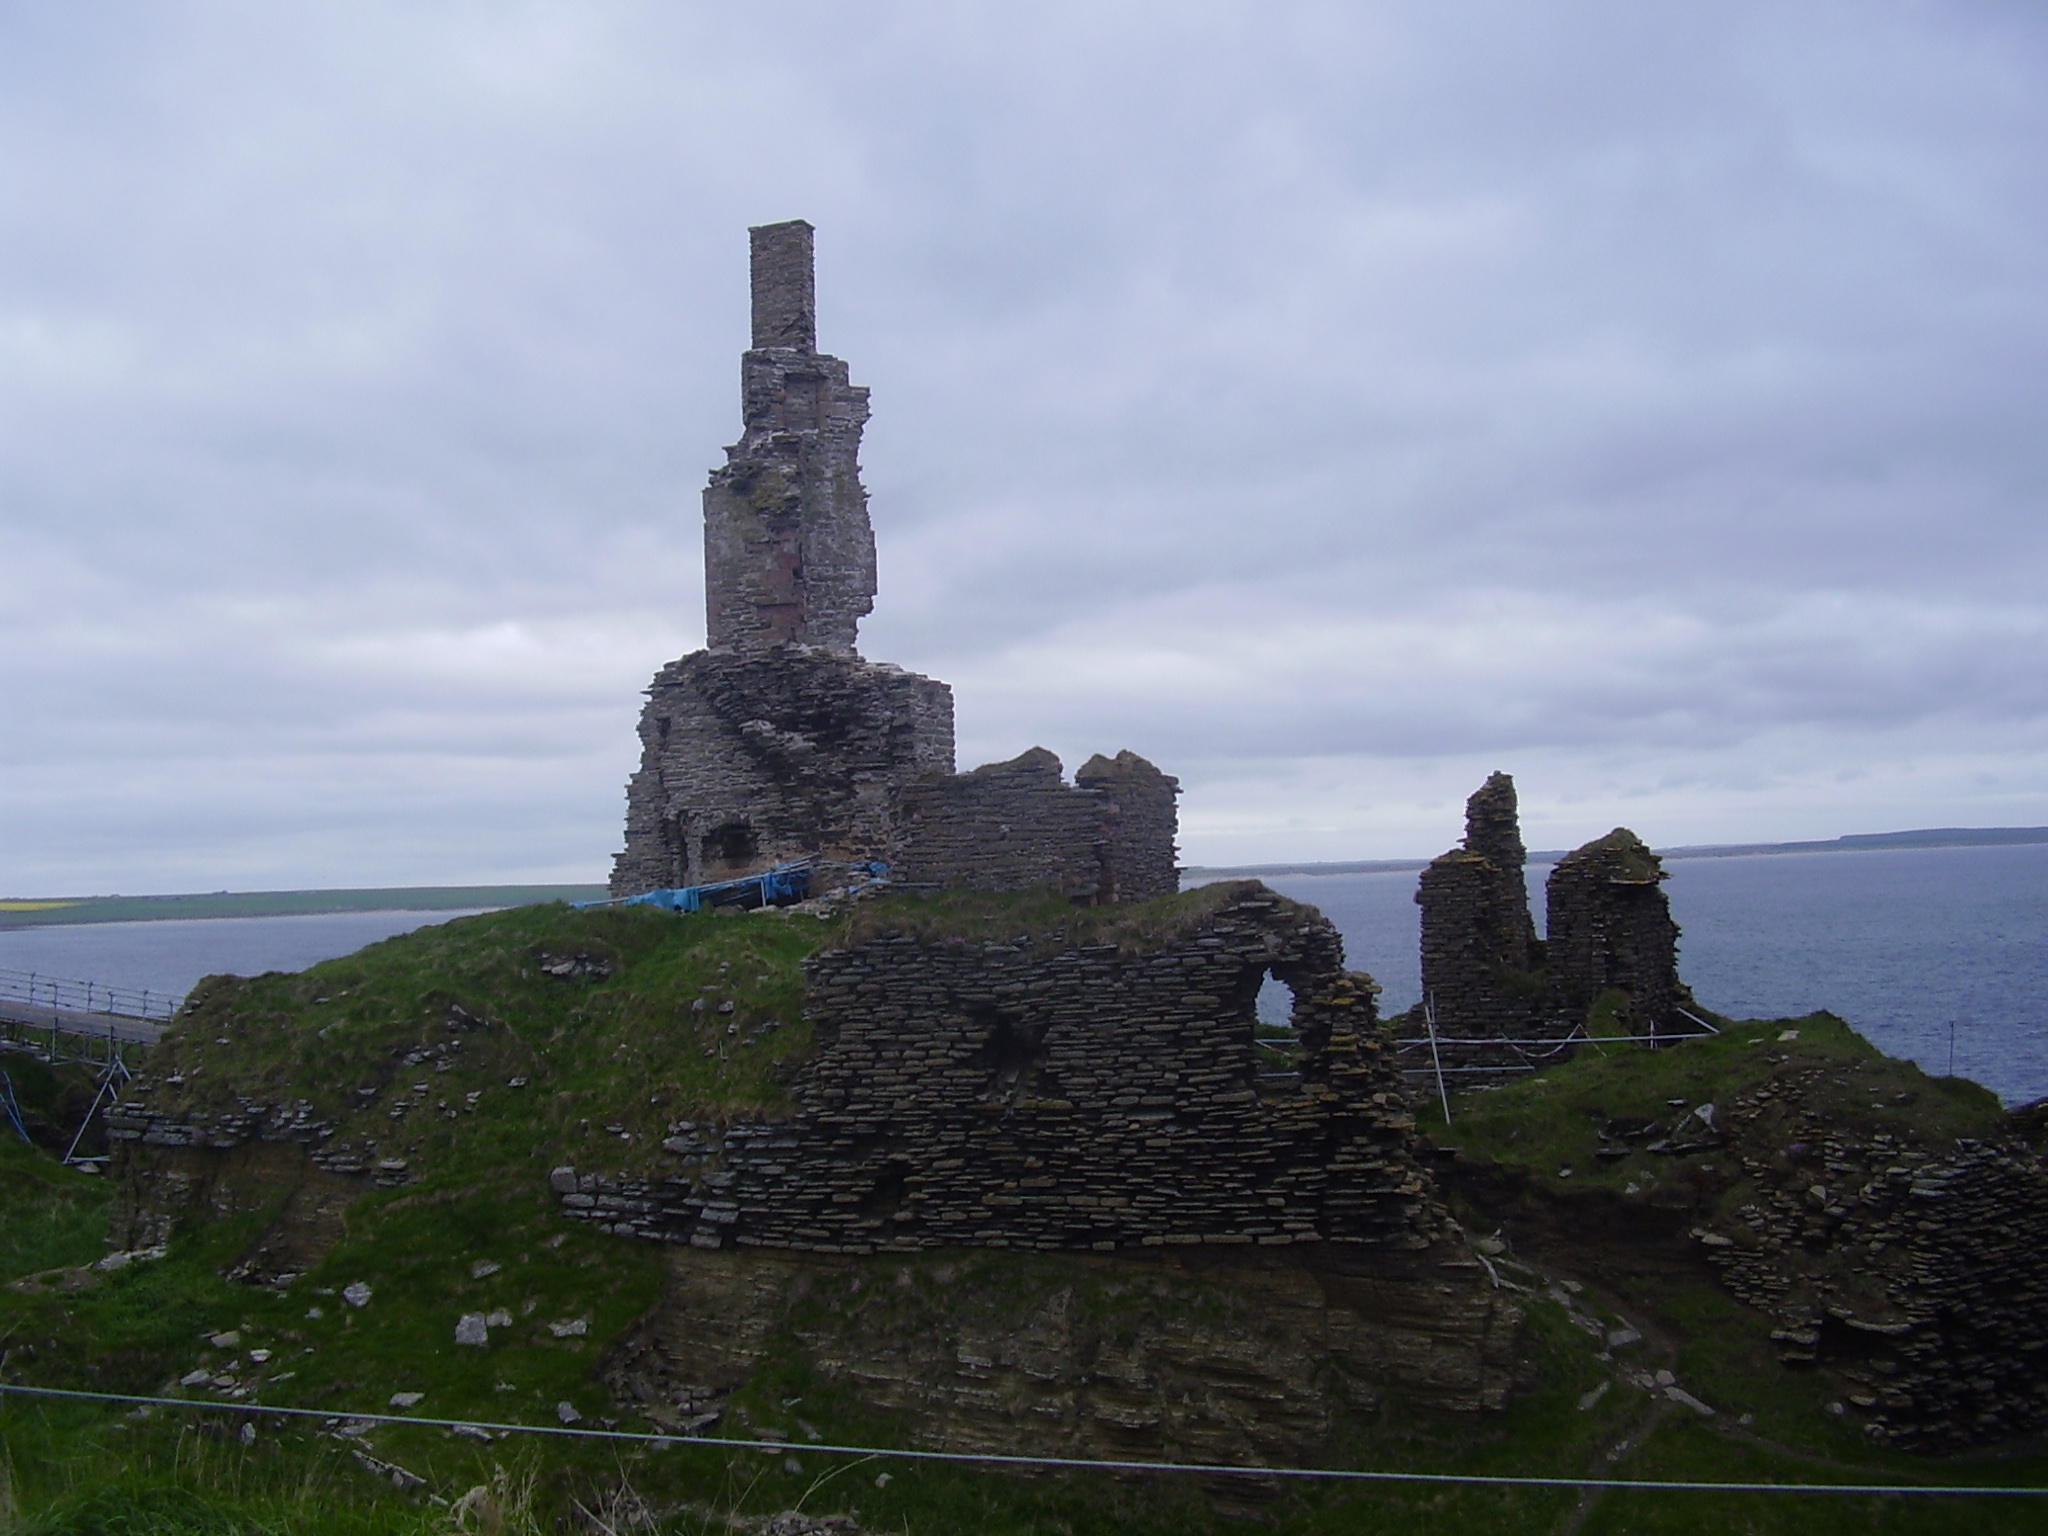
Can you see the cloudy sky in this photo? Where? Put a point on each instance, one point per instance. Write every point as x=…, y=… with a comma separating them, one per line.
x=1332, y=402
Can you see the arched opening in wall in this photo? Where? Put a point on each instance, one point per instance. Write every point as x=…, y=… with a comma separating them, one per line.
x=1276, y=1036
x=729, y=850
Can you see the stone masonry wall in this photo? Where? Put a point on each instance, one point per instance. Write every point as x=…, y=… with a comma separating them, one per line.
x=751, y=758
x=1479, y=945
x=1141, y=857
x=1012, y=826
x=1076, y=1098
x=1916, y=1276
x=1610, y=928
x=1003, y=827
x=789, y=553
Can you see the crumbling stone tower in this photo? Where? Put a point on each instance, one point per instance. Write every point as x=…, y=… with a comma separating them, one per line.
x=789, y=553
x=1479, y=946
x=1611, y=942
x=1611, y=932
x=778, y=741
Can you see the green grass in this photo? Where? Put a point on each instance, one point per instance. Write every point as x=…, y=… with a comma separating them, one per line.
x=1551, y=1121
x=610, y=1061
x=50, y=1215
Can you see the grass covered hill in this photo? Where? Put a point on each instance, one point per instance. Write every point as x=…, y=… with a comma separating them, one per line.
x=457, y=1065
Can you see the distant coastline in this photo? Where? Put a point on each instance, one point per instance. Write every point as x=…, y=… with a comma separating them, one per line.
x=1855, y=842
x=62, y=911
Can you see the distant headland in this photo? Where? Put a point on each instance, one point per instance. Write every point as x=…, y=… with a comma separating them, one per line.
x=1855, y=842
x=54, y=911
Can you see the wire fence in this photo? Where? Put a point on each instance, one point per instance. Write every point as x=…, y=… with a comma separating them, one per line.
x=1531, y=1054
x=1075, y=1463
x=33, y=990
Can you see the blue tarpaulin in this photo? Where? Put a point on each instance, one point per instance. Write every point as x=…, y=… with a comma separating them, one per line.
x=777, y=887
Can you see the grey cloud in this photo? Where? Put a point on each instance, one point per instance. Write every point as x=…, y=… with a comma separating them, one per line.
x=1335, y=397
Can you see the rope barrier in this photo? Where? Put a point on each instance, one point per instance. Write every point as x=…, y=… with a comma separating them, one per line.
x=1074, y=1463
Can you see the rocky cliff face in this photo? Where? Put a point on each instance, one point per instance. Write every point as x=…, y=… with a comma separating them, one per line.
x=1242, y=1362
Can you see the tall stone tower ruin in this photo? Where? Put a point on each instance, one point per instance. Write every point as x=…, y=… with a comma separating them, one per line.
x=789, y=553
x=778, y=741
x=1478, y=940
x=1612, y=947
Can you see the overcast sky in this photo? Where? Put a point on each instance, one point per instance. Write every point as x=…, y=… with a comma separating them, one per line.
x=1331, y=402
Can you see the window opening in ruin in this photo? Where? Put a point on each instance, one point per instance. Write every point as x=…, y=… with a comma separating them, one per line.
x=885, y=1196
x=732, y=844
x=1276, y=1042
x=1013, y=1055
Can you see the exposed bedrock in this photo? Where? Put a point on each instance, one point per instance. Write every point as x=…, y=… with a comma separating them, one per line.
x=1237, y=1360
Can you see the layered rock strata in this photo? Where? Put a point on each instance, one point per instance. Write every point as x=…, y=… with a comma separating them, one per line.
x=1202, y=1357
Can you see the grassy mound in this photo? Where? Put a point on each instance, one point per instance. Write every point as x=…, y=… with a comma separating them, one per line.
x=480, y=1053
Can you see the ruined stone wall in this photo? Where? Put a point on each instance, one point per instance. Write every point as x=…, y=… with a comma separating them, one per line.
x=1141, y=858
x=1610, y=928
x=1013, y=826
x=1915, y=1276
x=1479, y=945
x=789, y=553
x=751, y=758
x=1003, y=827
x=777, y=743
x=1086, y=1097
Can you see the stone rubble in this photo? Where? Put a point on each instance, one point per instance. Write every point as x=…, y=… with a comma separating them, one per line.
x=1915, y=1276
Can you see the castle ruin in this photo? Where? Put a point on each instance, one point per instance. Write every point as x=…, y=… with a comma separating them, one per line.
x=1611, y=950
x=778, y=741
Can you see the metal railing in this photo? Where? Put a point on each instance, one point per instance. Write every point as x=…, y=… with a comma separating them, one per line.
x=1532, y=1060
x=32, y=989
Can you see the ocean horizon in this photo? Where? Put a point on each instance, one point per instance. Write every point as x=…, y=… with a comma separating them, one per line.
x=1935, y=954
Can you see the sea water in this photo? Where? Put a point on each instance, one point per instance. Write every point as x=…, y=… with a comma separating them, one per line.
x=1925, y=950
x=169, y=956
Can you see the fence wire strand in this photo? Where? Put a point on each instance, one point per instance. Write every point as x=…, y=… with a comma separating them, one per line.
x=1069, y=1463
